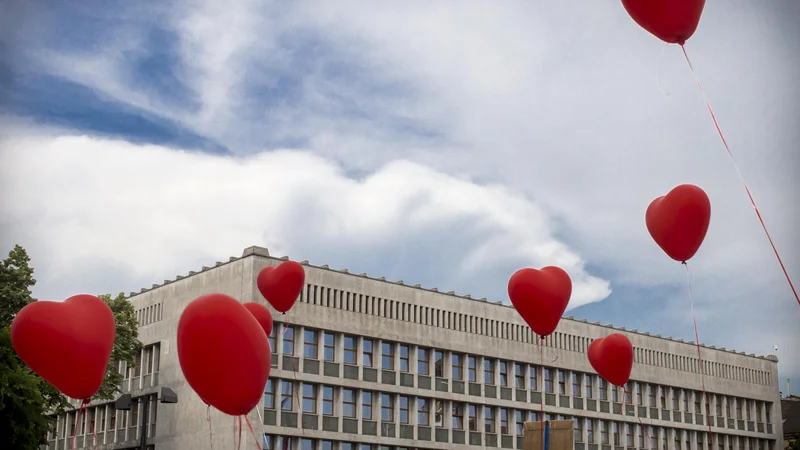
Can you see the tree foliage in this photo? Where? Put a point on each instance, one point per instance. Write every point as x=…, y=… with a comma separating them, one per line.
x=126, y=344
x=26, y=400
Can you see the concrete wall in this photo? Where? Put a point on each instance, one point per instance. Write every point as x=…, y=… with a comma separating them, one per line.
x=428, y=318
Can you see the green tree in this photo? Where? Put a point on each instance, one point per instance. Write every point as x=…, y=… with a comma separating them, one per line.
x=794, y=444
x=26, y=400
x=126, y=344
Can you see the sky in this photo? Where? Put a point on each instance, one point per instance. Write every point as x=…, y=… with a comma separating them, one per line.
x=441, y=143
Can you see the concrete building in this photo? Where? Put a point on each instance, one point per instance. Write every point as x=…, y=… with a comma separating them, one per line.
x=361, y=363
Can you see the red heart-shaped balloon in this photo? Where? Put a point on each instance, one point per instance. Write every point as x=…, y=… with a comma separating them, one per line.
x=612, y=358
x=67, y=343
x=678, y=221
x=672, y=21
x=223, y=353
x=262, y=315
x=540, y=297
x=281, y=285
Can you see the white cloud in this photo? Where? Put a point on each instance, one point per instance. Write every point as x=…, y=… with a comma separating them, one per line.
x=559, y=104
x=148, y=207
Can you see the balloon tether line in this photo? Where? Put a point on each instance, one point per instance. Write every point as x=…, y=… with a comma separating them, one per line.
x=252, y=432
x=699, y=355
x=208, y=419
x=739, y=172
x=240, y=433
x=644, y=427
x=541, y=401
x=81, y=409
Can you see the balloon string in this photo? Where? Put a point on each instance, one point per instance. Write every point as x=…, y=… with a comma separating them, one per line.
x=78, y=421
x=94, y=430
x=541, y=403
x=252, y=432
x=658, y=72
x=641, y=424
x=260, y=418
x=699, y=355
x=240, y=433
x=741, y=177
x=208, y=419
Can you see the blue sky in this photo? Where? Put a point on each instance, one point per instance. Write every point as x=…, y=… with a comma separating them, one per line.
x=439, y=144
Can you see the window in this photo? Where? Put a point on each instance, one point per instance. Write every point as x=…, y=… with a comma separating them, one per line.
x=329, y=341
x=519, y=376
x=628, y=435
x=603, y=432
x=403, y=401
x=562, y=383
x=438, y=410
x=589, y=431
x=519, y=422
x=614, y=393
x=488, y=419
x=438, y=363
x=675, y=395
x=273, y=336
x=458, y=366
x=387, y=355
x=269, y=395
x=306, y=444
x=288, y=340
x=640, y=430
x=533, y=378
x=685, y=401
x=503, y=421
x=728, y=407
x=651, y=396
x=698, y=409
x=472, y=417
x=423, y=412
x=349, y=350
x=349, y=402
x=387, y=408
x=404, y=358
x=503, y=373
x=367, y=352
x=423, y=361
x=287, y=395
x=588, y=386
x=285, y=442
x=366, y=405
x=639, y=394
x=548, y=380
x=309, y=398
x=326, y=445
x=310, y=349
x=602, y=388
x=458, y=416
x=758, y=412
x=472, y=369
x=346, y=446
x=615, y=432
x=739, y=409
x=576, y=385
x=488, y=371
x=327, y=400
x=577, y=430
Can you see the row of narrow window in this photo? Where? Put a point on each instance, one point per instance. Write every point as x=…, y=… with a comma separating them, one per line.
x=425, y=315
x=320, y=344
x=278, y=442
x=149, y=314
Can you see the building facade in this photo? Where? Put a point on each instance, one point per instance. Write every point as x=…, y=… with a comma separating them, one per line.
x=362, y=363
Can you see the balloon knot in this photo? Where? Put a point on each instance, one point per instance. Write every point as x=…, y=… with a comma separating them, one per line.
x=86, y=401
x=684, y=263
